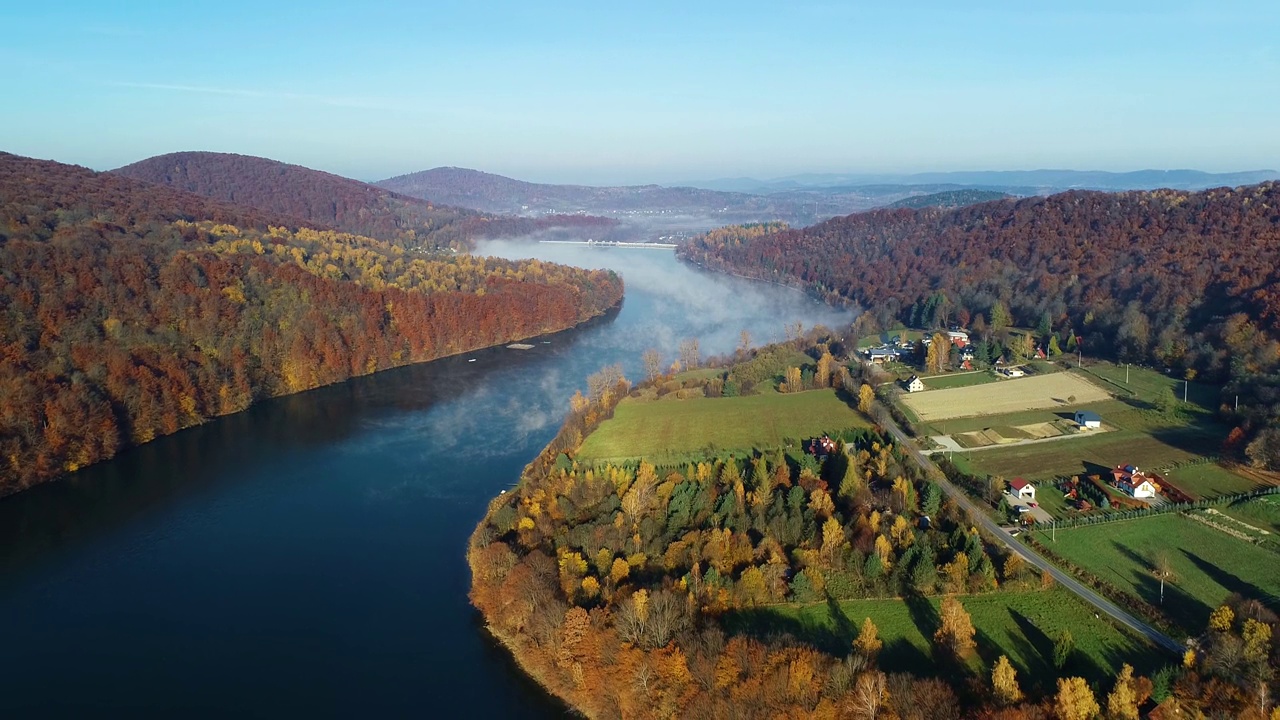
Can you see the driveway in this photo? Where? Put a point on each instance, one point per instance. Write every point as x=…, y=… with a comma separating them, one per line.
x=1037, y=513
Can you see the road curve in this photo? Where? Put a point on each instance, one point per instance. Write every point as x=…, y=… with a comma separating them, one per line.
x=1062, y=578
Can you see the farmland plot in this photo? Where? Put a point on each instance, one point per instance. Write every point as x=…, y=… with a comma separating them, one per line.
x=1006, y=396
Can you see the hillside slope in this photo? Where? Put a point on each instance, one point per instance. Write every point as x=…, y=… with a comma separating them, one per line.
x=130, y=310
x=1188, y=280
x=334, y=201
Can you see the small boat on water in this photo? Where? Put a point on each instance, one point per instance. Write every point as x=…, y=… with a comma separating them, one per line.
x=472, y=360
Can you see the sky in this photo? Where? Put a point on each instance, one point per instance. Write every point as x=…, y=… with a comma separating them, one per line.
x=656, y=91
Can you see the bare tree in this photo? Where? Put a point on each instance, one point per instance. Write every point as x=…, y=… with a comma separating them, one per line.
x=652, y=360
x=868, y=696
x=690, y=355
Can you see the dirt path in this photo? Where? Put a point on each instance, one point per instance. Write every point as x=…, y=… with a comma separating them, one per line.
x=947, y=442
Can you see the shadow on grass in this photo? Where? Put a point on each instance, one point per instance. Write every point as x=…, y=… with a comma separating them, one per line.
x=1232, y=582
x=768, y=624
x=1189, y=612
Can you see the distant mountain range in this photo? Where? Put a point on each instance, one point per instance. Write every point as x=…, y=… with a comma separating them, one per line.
x=798, y=200
x=1043, y=181
x=495, y=193
x=325, y=199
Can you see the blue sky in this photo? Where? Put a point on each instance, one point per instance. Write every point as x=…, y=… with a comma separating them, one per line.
x=655, y=91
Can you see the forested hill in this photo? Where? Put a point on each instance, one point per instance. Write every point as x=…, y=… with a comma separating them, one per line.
x=1152, y=268
x=129, y=311
x=1185, y=280
x=335, y=201
x=950, y=199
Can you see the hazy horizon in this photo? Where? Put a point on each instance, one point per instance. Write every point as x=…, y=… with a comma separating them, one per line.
x=666, y=93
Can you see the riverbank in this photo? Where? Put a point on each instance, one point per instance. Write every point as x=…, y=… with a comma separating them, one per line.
x=584, y=317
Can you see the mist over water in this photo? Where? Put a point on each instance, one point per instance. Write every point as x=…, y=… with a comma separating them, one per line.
x=682, y=301
x=306, y=556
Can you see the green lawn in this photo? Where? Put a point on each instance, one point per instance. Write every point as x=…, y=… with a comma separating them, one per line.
x=1022, y=625
x=1263, y=512
x=700, y=374
x=886, y=337
x=1210, y=565
x=1144, y=384
x=1209, y=480
x=670, y=429
x=955, y=380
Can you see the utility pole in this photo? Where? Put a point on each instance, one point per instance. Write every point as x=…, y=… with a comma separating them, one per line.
x=1186, y=386
x=1126, y=373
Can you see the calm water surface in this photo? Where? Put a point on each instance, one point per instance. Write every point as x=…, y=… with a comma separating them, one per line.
x=305, y=557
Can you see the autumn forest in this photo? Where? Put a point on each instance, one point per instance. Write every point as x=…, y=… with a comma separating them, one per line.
x=129, y=310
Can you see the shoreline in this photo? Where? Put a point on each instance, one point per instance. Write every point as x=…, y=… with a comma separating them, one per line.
x=596, y=317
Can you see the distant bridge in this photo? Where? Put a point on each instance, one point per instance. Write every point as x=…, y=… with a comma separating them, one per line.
x=612, y=243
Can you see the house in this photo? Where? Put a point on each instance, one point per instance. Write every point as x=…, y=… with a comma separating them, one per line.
x=1022, y=489
x=881, y=355
x=1135, y=483
x=1088, y=419
x=915, y=384
x=959, y=338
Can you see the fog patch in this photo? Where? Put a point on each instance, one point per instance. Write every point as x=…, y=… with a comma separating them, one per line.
x=677, y=301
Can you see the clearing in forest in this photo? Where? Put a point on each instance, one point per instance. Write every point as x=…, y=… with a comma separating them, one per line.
x=1006, y=396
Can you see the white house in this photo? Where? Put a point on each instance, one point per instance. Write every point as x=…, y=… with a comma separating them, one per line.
x=1023, y=489
x=1134, y=482
x=915, y=384
x=1088, y=419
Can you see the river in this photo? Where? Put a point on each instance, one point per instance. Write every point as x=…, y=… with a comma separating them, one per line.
x=305, y=557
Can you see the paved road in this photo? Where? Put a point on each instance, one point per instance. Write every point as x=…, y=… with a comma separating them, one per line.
x=1102, y=604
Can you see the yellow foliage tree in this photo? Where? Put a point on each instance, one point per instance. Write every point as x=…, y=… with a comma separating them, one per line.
x=1257, y=640
x=1075, y=700
x=868, y=642
x=1220, y=620
x=826, y=363
x=956, y=631
x=1122, y=703
x=866, y=396
x=1004, y=682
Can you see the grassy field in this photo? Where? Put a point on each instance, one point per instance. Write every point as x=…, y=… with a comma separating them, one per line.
x=672, y=429
x=1104, y=408
x=955, y=380
x=1263, y=512
x=889, y=336
x=1007, y=396
x=1210, y=565
x=1022, y=625
x=1144, y=384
